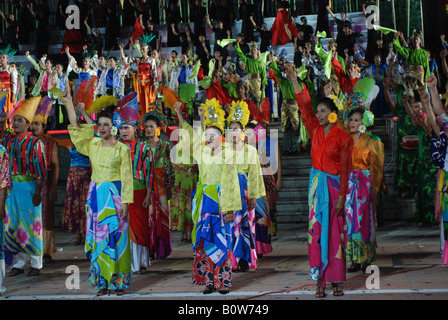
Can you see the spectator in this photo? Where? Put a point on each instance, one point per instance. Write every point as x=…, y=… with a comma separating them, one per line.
x=112, y=28
x=258, y=7
x=299, y=47
x=84, y=10
x=61, y=16
x=127, y=13
x=42, y=15
x=203, y=52
x=265, y=36
x=154, y=6
x=25, y=20
x=172, y=15
x=98, y=10
x=341, y=24
x=220, y=34
x=12, y=30
x=247, y=27
x=199, y=16
x=96, y=40
x=151, y=32
x=243, y=44
x=307, y=29
x=143, y=7
x=188, y=38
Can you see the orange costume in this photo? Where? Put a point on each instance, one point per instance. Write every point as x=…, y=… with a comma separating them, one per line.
x=8, y=82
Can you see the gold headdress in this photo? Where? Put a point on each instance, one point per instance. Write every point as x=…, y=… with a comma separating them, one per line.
x=239, y=112
x=214, y=114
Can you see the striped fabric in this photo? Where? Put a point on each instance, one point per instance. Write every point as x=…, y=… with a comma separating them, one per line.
x=27, y=154
x=141, y=161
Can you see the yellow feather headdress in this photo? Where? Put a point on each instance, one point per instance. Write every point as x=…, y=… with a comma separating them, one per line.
x=239, y=112
x=214, y=114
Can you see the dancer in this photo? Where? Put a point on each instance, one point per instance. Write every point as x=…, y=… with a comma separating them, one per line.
x=216, y=198
x=256, y=71
x=8, y=78
x=364, y=186
x=110, y=193
x=290, y=117
x=161, y=183
x=331, y=150
x=127, y=121
x=251, y=187
x=23, y=232
x=185, y=180
x=266, y=210
x=283, y=29
x=147, y=73
x=49, y=188
x=5, y=187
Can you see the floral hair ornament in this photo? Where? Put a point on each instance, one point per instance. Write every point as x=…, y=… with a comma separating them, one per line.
x=332, y=117
x=239, y=112
x=368, y=118
x=155, y=110
x=114, y=131
x=214, y=114
x=337, y=102
x=9, y=51
x=362, y=128
x=260, y=132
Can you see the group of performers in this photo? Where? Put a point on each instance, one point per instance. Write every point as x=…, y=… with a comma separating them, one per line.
x=133, y=180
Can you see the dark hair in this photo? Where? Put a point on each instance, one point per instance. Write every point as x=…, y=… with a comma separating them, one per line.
x=329, y=103
x=153, y=118
x=216, y=128
x=239, y=124
x=106, y=113
x=357, y=110
x=251, y=125
x=241, y=83
x=113, y=58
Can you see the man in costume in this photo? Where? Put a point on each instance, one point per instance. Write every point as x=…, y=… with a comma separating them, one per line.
x=23, y=232
x=111, y=79
x=49, y=187
x=184, y=81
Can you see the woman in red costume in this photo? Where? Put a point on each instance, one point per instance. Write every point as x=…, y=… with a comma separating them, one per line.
x=146, y=93
x=283, y=30
x=331, y=150
x=8, y=78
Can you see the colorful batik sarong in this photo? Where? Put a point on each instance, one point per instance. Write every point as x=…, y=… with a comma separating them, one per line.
x=262, y=227
x=326, y=231
x=159, y=217
x=244, y=230
x=23, y=221
x=211, y=238
x=107, y=239
x=360, y=217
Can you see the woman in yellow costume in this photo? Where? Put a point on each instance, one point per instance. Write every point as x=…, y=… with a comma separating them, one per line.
x=251, y=188
x=216, y=198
